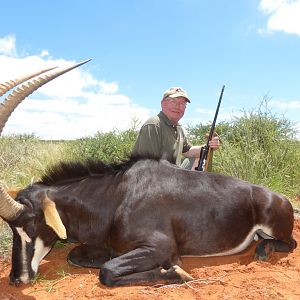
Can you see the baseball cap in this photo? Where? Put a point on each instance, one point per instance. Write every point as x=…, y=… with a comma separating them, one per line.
x=176, y=91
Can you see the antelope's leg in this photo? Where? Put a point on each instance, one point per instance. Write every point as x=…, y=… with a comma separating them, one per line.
x=267, y=246
x=88, y=256
x=140, y=266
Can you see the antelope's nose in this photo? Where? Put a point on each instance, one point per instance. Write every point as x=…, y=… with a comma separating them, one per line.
x=14, y=281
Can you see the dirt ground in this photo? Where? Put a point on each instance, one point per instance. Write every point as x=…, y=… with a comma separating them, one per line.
x=232, y=277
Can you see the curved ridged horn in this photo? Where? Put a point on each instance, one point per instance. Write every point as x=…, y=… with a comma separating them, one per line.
x=8, y=85
x=9, y=208
x=20, y=93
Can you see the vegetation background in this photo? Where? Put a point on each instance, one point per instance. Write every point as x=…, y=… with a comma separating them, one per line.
x=259, y=147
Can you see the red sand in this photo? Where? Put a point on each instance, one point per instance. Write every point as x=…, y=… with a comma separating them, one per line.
x=232, y=277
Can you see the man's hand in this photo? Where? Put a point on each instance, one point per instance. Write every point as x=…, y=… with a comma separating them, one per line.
x=214, y=143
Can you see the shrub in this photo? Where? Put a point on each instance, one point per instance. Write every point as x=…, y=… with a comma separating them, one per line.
x=112, y=146
x=259, y=147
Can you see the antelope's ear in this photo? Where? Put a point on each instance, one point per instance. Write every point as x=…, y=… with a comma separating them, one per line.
x=53, y=219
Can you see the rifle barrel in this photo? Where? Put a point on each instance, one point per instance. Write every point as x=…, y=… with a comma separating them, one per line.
x=204, y=152
x=213, y=125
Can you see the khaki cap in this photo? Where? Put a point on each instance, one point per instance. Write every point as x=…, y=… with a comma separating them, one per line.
x=176, y=91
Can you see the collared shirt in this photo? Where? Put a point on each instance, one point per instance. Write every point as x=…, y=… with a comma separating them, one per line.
x=159, y=137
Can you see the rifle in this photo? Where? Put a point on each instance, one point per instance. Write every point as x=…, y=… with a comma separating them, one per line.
x=205, y=150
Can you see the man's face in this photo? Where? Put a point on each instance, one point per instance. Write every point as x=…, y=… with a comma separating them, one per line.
x=174, y=108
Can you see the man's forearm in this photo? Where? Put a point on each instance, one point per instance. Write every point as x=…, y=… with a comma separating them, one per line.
x=193, y=152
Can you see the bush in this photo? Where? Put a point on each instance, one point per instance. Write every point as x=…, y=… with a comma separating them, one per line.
x=259, y=147
x=112, y=146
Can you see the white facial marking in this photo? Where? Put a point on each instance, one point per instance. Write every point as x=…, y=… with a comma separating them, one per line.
x=40, y=252
x=24, y=239
x=23, y=235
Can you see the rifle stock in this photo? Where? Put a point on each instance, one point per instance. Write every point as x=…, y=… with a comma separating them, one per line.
x=205, y=152
x=208, y=159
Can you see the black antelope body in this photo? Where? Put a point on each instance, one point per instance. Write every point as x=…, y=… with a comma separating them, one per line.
x=134, y=220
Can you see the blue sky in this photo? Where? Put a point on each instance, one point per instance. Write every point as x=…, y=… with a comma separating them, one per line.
x=139, y=49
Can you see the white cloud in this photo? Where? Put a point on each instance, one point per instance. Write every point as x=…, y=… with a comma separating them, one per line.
x=70, y=120
x=270, y=6
x=283, y=15
x=71, y=106
x=8, y=45
x=285, y=104
x=12, y=67
x=44, y=53
x=109, y=88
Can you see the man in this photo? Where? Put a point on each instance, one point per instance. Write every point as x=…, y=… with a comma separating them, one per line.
x=162, y=137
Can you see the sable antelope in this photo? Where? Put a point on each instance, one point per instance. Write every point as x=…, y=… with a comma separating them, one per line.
x=135, y=219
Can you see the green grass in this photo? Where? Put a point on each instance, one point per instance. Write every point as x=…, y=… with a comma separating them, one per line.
x=49, y=285
x=24, y=158
x=259, y=147
x=5, y=239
